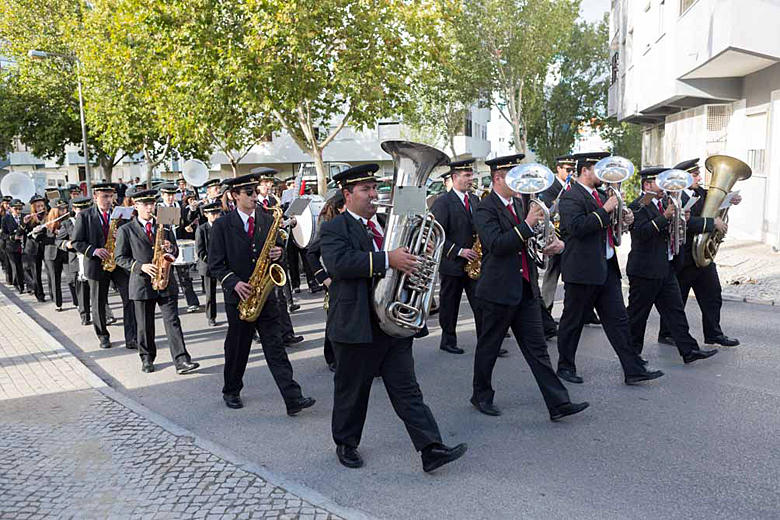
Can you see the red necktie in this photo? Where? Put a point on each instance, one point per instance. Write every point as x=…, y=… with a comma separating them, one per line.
x=250, y=230
x=149, y=231
x=265, y=203
x=609, y=229
x=378, y=238
x=523, y=258
x=105, y=224
x=660, y=207
x=466, y=202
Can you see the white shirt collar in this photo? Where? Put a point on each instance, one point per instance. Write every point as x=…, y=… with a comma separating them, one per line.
x=244, y=216
x=461, y=195
x=506, y=202
x=363, y=221
x=143, y=222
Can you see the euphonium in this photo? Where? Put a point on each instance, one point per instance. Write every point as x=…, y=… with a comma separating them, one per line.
x=673, y=182
x=162, y=260
x=726, y=171
x=265, y=275
x=402, y=302
x=109, y=263
x=531, y=179
x=613, y=171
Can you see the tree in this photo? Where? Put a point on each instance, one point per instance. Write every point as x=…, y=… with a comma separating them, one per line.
x=332, y=63
x=510, y=44
x=626, y=141
x=572, y=95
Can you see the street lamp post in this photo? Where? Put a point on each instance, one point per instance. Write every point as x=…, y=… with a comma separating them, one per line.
x=41, y=55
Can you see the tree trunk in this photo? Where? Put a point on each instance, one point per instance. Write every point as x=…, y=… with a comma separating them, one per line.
x=107, y=166
x=322, y=172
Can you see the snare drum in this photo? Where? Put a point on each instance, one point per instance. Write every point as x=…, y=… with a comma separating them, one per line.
x=187, y=253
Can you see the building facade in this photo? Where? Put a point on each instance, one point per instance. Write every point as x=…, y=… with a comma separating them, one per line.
x=703, y=77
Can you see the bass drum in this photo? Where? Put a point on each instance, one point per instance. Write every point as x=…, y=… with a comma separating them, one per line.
x=304, y=230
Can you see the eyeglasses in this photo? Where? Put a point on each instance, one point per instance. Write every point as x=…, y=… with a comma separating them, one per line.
x=569, y=170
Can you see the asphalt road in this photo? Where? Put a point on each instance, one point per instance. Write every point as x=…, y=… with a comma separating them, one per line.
x=700, y=442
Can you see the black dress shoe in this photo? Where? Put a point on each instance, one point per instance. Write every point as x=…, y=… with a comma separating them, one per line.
x=349, y=456
x=722, y=340
x=58, y=309
x=131, y=345
x=316, y=288
x=294, y=307
x=185, y=367
x=666, y=340
x=697, y=354
x=147, y=367
x=437, y=455
x=564, y=410
x=105, y=343
x=298, y=405
x=232, y=401
x=212, y=323
x=569, y=375
x=549, y=334
x=486, y=407
x=503, y=352
x=110, y=321
x=297, y=290
x=292, y=340
x=643, y=361
x=593, y=321
x=86, y=321
x=647, y=375
x=452, y=349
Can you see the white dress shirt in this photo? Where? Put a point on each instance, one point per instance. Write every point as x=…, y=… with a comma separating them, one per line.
x=368, y=230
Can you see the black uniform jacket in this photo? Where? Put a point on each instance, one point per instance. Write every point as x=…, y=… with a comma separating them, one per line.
x=696, y=225
x=584, y=225
x=313, y=254
x=133, y=249
x=353, y=265
x=459, y=230
x=501, y=279
x=12, y=232
x=549, y=195
x=88, y=237
x=202, y=239
x=232, y=255
x=64, y=235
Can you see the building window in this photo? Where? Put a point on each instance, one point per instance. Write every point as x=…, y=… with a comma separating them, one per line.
x=685, y=5
x=615, y=67
x=756, y=159
x=389, y=130
x=468, y=125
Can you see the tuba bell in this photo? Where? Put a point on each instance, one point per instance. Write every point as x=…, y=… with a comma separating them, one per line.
x=402, y=302
x=673, y=182
x=726, y=171
x=613, y=171
x=532, y=179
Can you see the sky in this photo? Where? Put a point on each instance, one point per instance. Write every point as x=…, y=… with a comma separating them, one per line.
x=593, y=10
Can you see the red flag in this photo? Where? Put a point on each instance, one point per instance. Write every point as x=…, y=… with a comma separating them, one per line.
x=303, y=187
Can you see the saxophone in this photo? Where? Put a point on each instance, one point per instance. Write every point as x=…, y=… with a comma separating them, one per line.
x=109, y=263
x=265, y=275
x=162, y=260
x=473, y=268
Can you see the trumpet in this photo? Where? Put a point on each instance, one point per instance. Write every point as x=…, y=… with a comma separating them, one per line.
x=673, y=182
x=532, y=179
x=613, y=171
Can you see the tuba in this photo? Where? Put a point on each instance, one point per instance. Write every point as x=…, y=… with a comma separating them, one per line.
x=726, y=171
x=265, y=276
x=531, y=179
x=673, y=182
x=613, y=171
x=402, y=302
x=162, y=260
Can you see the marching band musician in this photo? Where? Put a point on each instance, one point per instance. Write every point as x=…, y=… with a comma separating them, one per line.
x=54, y=257
x=651, y=274
x=591, y=274
x=236, y=242
x=79, y=289
x=32, y=252
x=212, y=212
x=14, y=238
x=5, y=209
x=168, y=193
x=507, y=294
x=89, y=238
x=135, y=249
x=351, y=246
x=454, y=210
x=703, y=280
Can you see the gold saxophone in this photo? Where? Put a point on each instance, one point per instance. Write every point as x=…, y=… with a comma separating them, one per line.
x=473, y=268
x=162, y=260
x=265, y=275
x=109, y=263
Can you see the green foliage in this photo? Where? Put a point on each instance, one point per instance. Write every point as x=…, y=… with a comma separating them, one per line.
x=626, y=141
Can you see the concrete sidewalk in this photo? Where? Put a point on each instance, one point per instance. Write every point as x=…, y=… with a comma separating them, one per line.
x=73, y=447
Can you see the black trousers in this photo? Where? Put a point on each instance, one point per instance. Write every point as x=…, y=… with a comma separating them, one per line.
x=83, y=292
x=356, y=367
x=525, y=320
x=294, y=253
x=54, y=276
x=664, y=293
x=6, y=262
x=98, y=290
x=169, y=308
x=578, y=301
x=185, y=282
x=33, y=269
x=706, y=286
x=451, y=291
x=238, y=341
x=210, y=285
x=17, y=270
x=285, y=323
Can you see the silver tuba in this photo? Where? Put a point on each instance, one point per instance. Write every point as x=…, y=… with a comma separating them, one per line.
x=613, y=171
x=402, y=302
x=531, y=179
x=673, y=182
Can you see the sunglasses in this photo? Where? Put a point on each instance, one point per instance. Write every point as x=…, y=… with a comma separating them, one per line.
x=247, y=191
x=569, y=170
